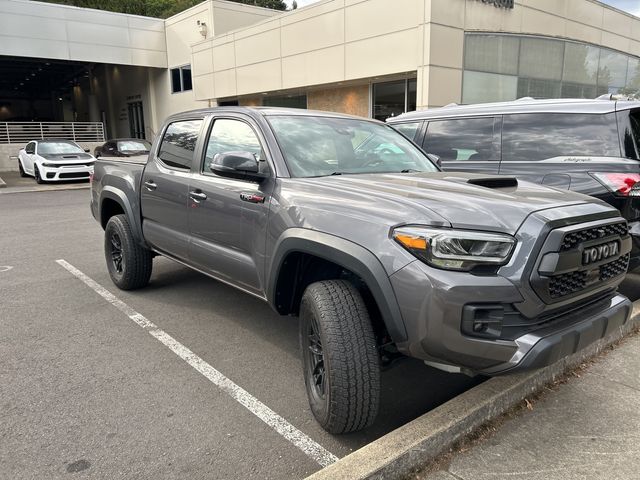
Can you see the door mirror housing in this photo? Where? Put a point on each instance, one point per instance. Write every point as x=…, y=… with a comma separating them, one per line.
x=242, y=165
x=86, y=150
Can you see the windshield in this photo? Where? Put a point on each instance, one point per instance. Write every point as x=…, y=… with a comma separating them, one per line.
x=318, y=146
x=133, y=146
x=58, y=147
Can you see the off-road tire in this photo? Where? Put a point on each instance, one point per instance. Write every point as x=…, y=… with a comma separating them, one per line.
x=36, y=175
x=350, y=358
x=134, y=267
x=21, y=170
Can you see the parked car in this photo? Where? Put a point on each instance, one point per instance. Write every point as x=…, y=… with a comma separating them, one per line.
x=55, y=160
x=123, y=147
x=588, y=146
x=349, y=226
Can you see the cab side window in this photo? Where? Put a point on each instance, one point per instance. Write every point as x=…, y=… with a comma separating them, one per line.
x=179, y=143
x=465, y=139
x=409, y=130
x=229, y=135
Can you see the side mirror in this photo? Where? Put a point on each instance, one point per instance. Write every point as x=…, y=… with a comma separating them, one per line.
x=435, y=159
x=242, y=165
x=97, y=155
x=86, y=150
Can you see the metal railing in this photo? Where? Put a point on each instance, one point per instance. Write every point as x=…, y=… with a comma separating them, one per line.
x=23, y=132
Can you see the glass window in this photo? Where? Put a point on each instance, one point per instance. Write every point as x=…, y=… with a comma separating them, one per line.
x=179, y=143
x=186, y=78
x=30, y=148
x=530, y=137
x=133, y=146
x=538, y=88
x=407, y=129
x=59, y=146
x=492, y=53
x=541, y=58
x=176, y=86
x=291, y=101
x=612, y=73
x=580, y=64
x=479, y=87
x=319, y=146
x=461, y=139
x=390, y=99
x=229, y=135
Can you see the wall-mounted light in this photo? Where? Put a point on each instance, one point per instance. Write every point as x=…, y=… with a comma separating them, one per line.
x=202, y=28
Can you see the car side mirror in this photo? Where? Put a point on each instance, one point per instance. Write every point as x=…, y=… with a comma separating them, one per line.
x=86, y=150
x=97, y=155
x=435, y=159
x=242, y=165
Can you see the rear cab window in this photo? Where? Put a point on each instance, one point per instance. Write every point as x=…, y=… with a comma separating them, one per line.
x=179, y=144
x=536, y=137
x=462, y=139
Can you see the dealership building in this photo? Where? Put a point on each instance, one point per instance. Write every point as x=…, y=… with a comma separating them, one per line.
x=120, y=75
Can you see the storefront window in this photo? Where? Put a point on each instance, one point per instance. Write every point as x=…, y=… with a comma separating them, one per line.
x=391, y=99
x=507, y=67
x=292, y=101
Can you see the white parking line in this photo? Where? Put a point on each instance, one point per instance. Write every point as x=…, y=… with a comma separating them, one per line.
x=311, y=448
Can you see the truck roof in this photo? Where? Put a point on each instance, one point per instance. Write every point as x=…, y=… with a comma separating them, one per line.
x=523, y=105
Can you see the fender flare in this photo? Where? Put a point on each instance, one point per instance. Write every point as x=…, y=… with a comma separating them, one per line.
x=348, y=255
x=120, y=198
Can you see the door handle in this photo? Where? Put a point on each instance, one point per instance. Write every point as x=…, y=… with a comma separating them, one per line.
x=197, y=196
x=150, y=185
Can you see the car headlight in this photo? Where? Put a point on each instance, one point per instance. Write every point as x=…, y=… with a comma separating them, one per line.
x=50, y=165
x=455, y=249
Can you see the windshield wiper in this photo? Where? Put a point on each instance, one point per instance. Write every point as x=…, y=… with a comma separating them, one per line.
x=410, y=170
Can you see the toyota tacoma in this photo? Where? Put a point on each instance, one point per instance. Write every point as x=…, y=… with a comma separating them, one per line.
x=347, y=225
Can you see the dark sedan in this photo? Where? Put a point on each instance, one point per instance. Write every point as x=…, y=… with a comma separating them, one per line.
x=123, y=147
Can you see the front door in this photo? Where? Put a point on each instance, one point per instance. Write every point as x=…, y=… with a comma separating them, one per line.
x=136, y=120
x=228, y=217
x=165, y=189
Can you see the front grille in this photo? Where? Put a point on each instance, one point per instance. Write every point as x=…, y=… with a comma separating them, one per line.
x=562, y=285
x=571, y=240
x=613, y=269
x=74, y=175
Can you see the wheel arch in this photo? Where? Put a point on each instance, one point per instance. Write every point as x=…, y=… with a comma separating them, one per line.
x=341, y=253
x=114, y=202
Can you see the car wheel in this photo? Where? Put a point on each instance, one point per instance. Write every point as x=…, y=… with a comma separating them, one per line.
x=36, y=174
x=21, y=170
x=129, y=263
x=340, y=357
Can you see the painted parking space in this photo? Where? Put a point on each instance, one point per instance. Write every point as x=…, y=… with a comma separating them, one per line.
x=218, y=328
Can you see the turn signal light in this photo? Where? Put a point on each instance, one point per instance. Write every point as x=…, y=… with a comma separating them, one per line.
x=409, y=241
x=619, y=183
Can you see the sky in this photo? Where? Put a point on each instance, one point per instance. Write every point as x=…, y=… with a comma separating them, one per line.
x=631, y=6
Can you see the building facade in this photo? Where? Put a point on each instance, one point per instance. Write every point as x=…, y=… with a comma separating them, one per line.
x=374, y=58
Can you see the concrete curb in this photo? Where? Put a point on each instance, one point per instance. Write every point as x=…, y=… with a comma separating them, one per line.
x=414, y=445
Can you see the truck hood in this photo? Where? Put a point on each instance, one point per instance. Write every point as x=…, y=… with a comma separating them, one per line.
x=491, y=203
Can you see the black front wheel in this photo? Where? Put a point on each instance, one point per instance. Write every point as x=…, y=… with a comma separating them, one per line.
x=340, y=358
x=36, y=175
x=128, y=262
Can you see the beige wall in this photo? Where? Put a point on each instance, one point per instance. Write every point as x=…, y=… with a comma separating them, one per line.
x=345, y=40
x=352, y=100
x=44, y=30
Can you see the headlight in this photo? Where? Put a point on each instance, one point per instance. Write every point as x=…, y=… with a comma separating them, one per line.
x=50, y=165
x=455, y=249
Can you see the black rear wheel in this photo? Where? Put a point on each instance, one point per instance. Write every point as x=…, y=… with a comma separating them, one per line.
x=340, y=357
x=128, y=262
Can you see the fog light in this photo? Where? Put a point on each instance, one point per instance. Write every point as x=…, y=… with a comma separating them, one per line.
x=483, y=320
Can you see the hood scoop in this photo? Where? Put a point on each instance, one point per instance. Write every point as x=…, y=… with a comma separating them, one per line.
x=494, y=182
x=70, y=156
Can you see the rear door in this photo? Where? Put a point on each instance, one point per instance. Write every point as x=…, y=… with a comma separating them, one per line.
x=165, y=188
x=228, y=216
x=465, y=144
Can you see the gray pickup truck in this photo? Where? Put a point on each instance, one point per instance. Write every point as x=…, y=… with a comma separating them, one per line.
x=347, y=225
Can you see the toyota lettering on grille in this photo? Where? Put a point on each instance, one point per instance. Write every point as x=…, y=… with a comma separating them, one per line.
x=600, y=252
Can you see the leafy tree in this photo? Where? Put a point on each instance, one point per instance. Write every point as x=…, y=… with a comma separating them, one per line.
x=157, y=8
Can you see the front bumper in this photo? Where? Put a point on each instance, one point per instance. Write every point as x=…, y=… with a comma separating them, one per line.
x=61, y=174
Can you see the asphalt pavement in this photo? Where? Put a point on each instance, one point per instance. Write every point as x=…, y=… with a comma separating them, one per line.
x=86, y=391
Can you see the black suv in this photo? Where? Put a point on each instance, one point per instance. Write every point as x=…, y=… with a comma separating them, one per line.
x=588, y=146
